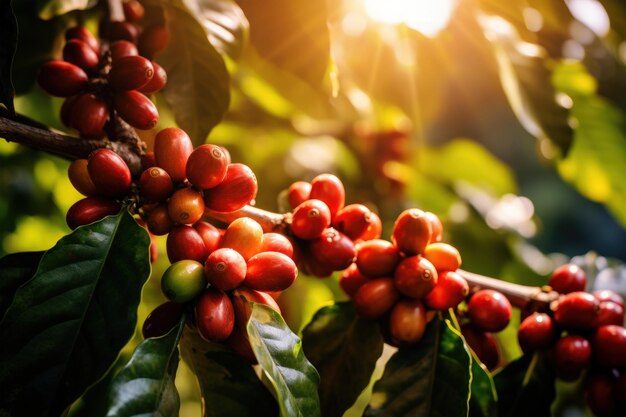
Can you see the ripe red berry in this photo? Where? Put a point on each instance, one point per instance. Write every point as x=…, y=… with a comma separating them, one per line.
x=136, y=109
x=89, y=210
x=130, y=73
x=62, y=79
x=155, y=184
x=88, y=115
x=154, y=39
x=159, y=222
x=333, y=249
x=238, y=188
x=81, y=33
x=353, y=220
x=80, y=179
x=210, y=234
x=225, y=268
x=375, y=298
x=80, y=54
x=572, y=354
x=184, y=242
x=374, y=229
x=443, y=256
x=577, y=310
x=351, y=280
x=162, y=319
x=206, y=166
x=608, y=295
x=411, y=232
x=172, y=147
x=243, y=235
x=609, y=346
x=242, y=297
x=109, y=173
x=450, y=290
x=310, y=219
x=133, y=10
x=415, y=277
x=298, y=193
x=483, y=344
x=568, y=278
x=436, y=227
x=157, y=82
x=330, y=190
x=536, y=332
x=239, y=342
x=407, y=321
x=121, y=49
x=215, y=315
x=275, y=242
x=609, y=313
x=600, y=394
x=377, y=258
x=186, y=206
x=270, y=271
x=489, y=310
x=127, y=31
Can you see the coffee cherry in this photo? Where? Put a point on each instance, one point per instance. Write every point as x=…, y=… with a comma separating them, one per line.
x=407, y=321
x=88, y=116
x=275, y=242
x=80, y=179
x=351, y=280
x=127, y=31
x=133, y=10
x=136, y=109
x=157, y=82
x=377, y=258
x=238, y=188
x=210, y=235
x=577, y=310
x=572, y=354
x=600, y=395
x=411, y=232
x=568, y=278
x=449, y=291
x=313, y=267
x=374, y=229
x=436, y=227
x=184, y=242
x=333, y=249
x=330, y=190
x=206, y=166
x=225, y=269
x=130, y=73
x=62, y=79
x=153, y=39
x=66, y=110
x=148, y=160
x=183, y=280
x=489, y=310
x=162, y=319
x=609, y=313
x=536, y=332
x=89, y=210
x=443, y=256
x=243, y=235
x=298, y=193
x=608, y=295
x=242, y=297
x=186, y=206
x=82, y=34
x=609, y=346
x=310, y=219
x=155, y=184
x=109, y=173
x=215, y=315
x=353, y=220
x=172, y=147
x=270, y=271
x=80, y=54
x=159, y=222
x=375, y=298
x=239, y=342
x=483, y=344
x=415, y=277
x=121, y=49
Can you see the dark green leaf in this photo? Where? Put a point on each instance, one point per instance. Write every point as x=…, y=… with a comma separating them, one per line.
x=279, y=352
x=344, y=349
x=15, y=270
x=68, y=323
x=146, y=384
x=8, y=43
x=483, y=401
x=525, y=387
x=430, y=379
x=51, y=8
x=228, y=383
x=197, y=86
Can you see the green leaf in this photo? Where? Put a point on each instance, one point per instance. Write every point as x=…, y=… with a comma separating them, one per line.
x=344, y=349
x=228, y=383
x=68, y=323
x=483, y=401
x=279, y=352
x=15, y=270
x=430, y=379
x=52, y=8
x=197, y=88
x=145, y=386
x=8, y=34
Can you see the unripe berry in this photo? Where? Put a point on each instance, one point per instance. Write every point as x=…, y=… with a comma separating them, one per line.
x=206, y=166
x=415, y=277
x=89, y=114
x=572, y=354
x=377, y=258
x=215, y=315
x=298, y=193
x=275, y=242
x=136, y=109
x=489, y=310
x=162, y=319
x=80, y=54
x=270, y=271
x=411, y=232
x=225, y=268
x=62, y=79
x=121, y=49
x=183, y=280
x=81, y=33
x=210, y=235
x=577, y=310
x=407, y=321
x=450, y=290
x=310, y=219
x=157, y=82
x=159, y=222
x=172, y=147
x=609, y=346
x=443, y=256
x=130, y=73
x=353, y=220
x=568, y=278
x=89, y=210
x=374, y=298
x=80, y=179
x=351, y=279
x=186, y=206
x=184, y=242
x=330, y=190
x=483, y=344
x=155, y=184
x=153, y=39
x=536, y=332
x=238, y=188
x=243, y=235
x=333, y=249
x=109, y=173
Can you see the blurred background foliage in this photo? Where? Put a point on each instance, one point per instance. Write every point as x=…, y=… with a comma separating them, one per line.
x=504, y=118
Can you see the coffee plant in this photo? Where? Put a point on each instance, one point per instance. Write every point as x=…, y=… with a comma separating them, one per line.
x=265, y=208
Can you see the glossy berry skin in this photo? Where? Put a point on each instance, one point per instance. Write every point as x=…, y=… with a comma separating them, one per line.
x=572, y=354
x=242, y=297
x=89, y=210
x=609, y=313
x=275, y=242
x=157, y=82
x=333, y=249
x=162, y=319
x=608, y=295
x=377, y=258
x=270, y=271
x=375, y=298
x=184, y=242
x=577, y=311
x=215, y=315
x=225, y=269
x=600, y=394
x=435, y=225
x=489, y=310
x=183, y=280
x=238, y=188
x=310, y=219
x=568, y=278
x=210, y=235
x=133, y=10
x=407, y=321
x=66, y=110
x=536, y=332
x=186, y=206
x=127, y=31
x=609, y=346
x=206, y=166
x=374, y=229
x=80, y=179
x=136, y=109
x=120, y=49
x=353, y=220
x=483, y=344
x=154, y=39
x=244, y=235
x=62, y=79
x=298, y=192
x=80, y=54
x=155, y=184
x=172, y=147
x=109, y=173
x=415, y=277
x=130, y=73
x=81, y=33
x=158, y=221
x=88, y=116
x=450, y=290
x=330, y=190
x=411, y=232
x=443, y=256
x=351, y=279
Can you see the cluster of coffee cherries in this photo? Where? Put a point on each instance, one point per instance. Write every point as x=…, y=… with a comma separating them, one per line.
x=97, y=80
x=582, y=334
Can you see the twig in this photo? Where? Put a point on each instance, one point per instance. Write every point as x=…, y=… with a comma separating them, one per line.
x=269, y=221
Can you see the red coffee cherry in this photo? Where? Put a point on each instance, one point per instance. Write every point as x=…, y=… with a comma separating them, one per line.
x=577, y=310
x=148, y=160
x=353, y=220
x=275, y=242
x=310, y=219
x=109, y=173
x=449, y=291
x=155, y=184
x=298, y=193
x=270, y=271
x=183, y=280
x=186, y=206
x=415, y=277
x=215, y=315
x=82, y=34
x=600, y=395
x=489, y=310
x=243, y=235
x=443, y=256
x=242, y=297
x=116, y=31
x=351, y=280
x=121, y=49
x=66, y=110
x=162, y=319
x=206, y=166
x=159, y=222
x=157, y=82
x=411, y=232
x=89, y=114
x=184, y=242
x=80, y=54
x=608, y=295
x=375, y=298
x=240, y=343
x=80, y=179
x=130, y=73
x=377, y=258
x=568, y=278
x=609, y=346
x=407, y=321
x=210, y=234
x=225, y=269
x=609, y=313
x=154, y=39
x=436, y=227
x=89, y=210
x=374, y=229
x=536, y=332
x=133, y=10
x=172, y=147
x=330, y=190
x=62, y=79
x=136, y=109
x=483, y=344
x=315, y=268
x=333, y=249
x=238, y=188
x=572, y=354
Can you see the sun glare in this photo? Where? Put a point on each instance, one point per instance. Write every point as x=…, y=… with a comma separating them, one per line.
x=426, y=16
